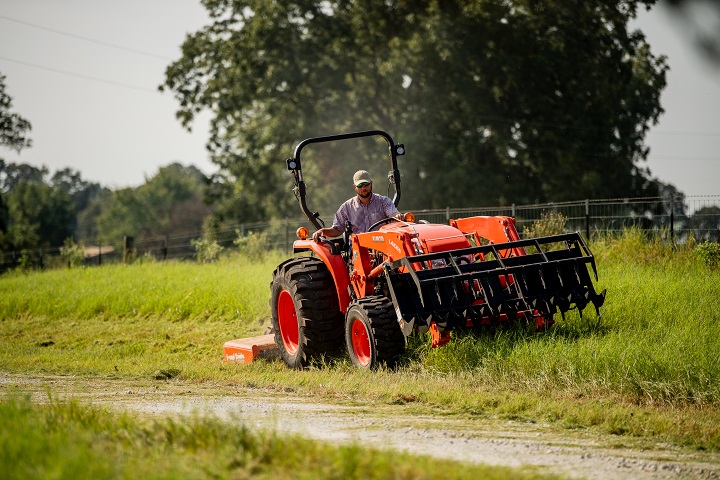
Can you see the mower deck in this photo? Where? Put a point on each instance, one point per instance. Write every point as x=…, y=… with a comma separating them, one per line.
x=246, y=350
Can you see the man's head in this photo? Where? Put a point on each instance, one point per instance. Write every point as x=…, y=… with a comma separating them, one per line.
x=361, y=177
x=363, y=183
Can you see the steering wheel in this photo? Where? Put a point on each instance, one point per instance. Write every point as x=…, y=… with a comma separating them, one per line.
x=382, y=222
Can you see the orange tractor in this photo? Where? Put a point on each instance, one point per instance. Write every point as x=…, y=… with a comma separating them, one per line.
x=370, y=291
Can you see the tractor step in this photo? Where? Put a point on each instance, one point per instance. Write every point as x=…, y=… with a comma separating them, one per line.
x=246, y=350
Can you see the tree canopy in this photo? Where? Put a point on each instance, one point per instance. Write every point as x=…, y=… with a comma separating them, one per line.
x=169, y=203
x=36, y=212
x=497, y=102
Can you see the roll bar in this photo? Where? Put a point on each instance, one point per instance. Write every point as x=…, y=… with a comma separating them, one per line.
x=295, y=166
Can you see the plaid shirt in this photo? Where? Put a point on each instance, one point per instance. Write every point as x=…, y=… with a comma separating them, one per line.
x=363, y=216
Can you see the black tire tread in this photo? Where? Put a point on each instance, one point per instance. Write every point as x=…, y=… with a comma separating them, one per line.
x=320, y=320
x=386, y=332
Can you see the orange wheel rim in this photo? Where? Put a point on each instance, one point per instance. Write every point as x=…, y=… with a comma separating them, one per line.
x=287, y=322
x=360, y=342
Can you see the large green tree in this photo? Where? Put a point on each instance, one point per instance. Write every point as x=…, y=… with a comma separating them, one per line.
x=496, y=102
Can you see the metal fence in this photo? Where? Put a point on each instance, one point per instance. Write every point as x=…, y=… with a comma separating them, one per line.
x=674, y=218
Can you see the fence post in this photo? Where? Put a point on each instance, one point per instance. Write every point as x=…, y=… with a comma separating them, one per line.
x=512, y=210
x=672, y=219
x=128, y=244
x=165, y=248
x=587, y=219
x=447, y=214
x=99, y=252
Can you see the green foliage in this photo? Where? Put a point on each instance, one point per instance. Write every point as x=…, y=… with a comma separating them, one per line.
x=497, y=103
x=253, y=245
x=169, y=203
x=26, y=262
x=207, y=249
x=72, y=253
x=14, y=129
x=38, y=210
x=709, y=253
x=550, y=223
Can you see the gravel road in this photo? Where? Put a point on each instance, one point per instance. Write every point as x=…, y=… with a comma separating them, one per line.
x=574, y=454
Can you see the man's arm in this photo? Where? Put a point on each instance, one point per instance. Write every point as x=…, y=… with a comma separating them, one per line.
x=391, y=210
x=330, y=232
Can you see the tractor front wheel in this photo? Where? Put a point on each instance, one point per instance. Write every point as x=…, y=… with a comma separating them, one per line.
x=306, y=315
x=372, y=333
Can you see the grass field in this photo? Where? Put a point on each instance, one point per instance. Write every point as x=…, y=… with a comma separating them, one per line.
x=648, y=368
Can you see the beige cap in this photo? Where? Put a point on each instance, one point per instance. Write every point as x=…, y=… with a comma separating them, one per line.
x=361, y=176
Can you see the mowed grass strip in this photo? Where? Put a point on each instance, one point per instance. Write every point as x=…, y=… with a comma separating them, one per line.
x=70, y=440
x=648, y=368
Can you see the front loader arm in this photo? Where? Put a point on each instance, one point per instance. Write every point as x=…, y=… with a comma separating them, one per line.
x=494, y=230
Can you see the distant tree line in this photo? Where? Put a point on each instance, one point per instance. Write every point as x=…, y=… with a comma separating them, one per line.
x=39, y=209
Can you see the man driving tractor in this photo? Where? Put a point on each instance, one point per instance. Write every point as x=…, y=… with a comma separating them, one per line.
x=362, y=211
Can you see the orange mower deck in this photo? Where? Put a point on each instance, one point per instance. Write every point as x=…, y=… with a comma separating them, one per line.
x=246, y=350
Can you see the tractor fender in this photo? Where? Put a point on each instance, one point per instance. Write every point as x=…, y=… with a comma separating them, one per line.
x=334, y=263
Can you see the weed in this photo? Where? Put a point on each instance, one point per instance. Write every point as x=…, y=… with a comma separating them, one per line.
x=207, y=249
x=72, y=253
x=709, y=253
x=550, y=223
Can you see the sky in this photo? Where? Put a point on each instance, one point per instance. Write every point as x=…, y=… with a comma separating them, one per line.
x=85, y=74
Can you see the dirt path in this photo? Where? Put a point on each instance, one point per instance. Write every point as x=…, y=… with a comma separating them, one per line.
x=493, y=442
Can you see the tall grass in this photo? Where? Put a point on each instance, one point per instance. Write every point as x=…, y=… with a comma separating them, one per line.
x=656, y=341
x=648, y=366
x=149, y=319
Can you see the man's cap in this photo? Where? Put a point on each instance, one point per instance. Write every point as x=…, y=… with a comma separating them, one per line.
x=361, y=176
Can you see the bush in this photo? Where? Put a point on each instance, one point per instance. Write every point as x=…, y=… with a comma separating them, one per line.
x=709, y=253
x=207, y=249
x=72, y=253
x=253, y=245
x=550, y=223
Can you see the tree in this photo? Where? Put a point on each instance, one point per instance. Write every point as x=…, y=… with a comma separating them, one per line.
x=41, y=210
x=14, y=129
x=13, y=134
x=41, y=216
x=497, y=102
x=169, y=203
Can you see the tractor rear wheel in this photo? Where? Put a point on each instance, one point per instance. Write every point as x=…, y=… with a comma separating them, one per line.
x=306, y=315
x=372, y=333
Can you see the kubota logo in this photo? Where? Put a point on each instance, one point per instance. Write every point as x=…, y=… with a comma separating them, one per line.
x=378, y=238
